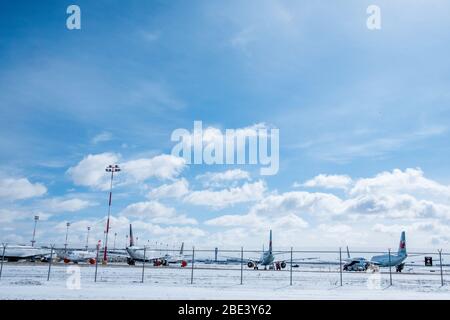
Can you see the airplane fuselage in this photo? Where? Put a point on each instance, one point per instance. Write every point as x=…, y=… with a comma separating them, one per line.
x=19, y=252
x=388, y=261
x=267, y=259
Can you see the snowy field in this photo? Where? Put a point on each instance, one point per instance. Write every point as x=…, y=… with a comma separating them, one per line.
x=29, y=281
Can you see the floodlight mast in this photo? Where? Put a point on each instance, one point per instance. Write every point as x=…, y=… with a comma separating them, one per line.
x=33, y=241
x=112, y=169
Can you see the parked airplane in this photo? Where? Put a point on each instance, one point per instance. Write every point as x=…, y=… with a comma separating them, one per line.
x=385, y=260
x=77, y=256
x=267, y=259
x=137, y=254
x=15, y=253
x=175, y=258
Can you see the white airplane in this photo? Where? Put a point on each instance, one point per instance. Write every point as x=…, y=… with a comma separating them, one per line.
x=385, y=260
x=15, y=253
x=137, y=253
x=267, y=259
x=180, y=258
x=77, y=256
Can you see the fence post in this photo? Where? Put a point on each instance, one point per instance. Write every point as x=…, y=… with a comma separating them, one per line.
x=3, y=259
x=96, y=263
x=440, y=263
x=290, y=280
x=340, y=265
x=50, y=263
x=143, y=265
x=390, y=268
x=242, y=263
x=192, y=266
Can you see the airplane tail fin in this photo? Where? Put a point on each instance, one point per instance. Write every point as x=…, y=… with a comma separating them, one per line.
x=270, y=242
x=402, y=245
x=348, y=253
x=182, y=249
x=131, y=236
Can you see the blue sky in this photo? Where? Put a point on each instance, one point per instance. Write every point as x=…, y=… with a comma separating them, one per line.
x=368, y=110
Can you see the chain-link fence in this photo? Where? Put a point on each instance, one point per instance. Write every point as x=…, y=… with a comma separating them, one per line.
x=303, y=268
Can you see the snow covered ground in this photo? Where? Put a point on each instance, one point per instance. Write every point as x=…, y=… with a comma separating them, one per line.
x=28, y=281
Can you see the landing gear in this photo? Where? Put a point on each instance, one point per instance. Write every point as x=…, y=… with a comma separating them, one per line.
x=131, y=262
x=400, y=267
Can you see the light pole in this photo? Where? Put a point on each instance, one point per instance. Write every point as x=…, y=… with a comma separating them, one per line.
x=36, y=218
x=67, y=235
x=87, y=238
x=126, y=241
x=112, y=169
x=115, y=236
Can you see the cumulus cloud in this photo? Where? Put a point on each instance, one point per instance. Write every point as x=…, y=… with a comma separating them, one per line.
x=176, y=190
x=66, y=205
x=217, y=179
x=220, y=199
x=329, y=182
x=335, y=228
x=388, y=202
x=102, y=137
x=253, y=221
x=20, y=188
x=156, y=212
x=410, y=181
x=90, y=171
x=298, y=203
x=11, y=216
x=143, y=228
x=162, y=167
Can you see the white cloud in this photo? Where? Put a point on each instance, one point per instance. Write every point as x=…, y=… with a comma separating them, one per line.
x=253, y=221
x=395, y=206
x=220, y=199
x=156, y=212
x=10, y=215
x=66, y=205
x=216, y=179
x=14, y=215
x=20, y=188
x=234, y=220
x=405, y=197
x=142, y=229
x=102, y=137
x=409, y=181
x=90, y=171
x=298, y=203
x=329, y=182
x=176, y=190
x=162, y=167
x=335, y=228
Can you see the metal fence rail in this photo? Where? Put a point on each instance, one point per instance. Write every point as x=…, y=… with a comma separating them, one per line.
x=212, y=262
